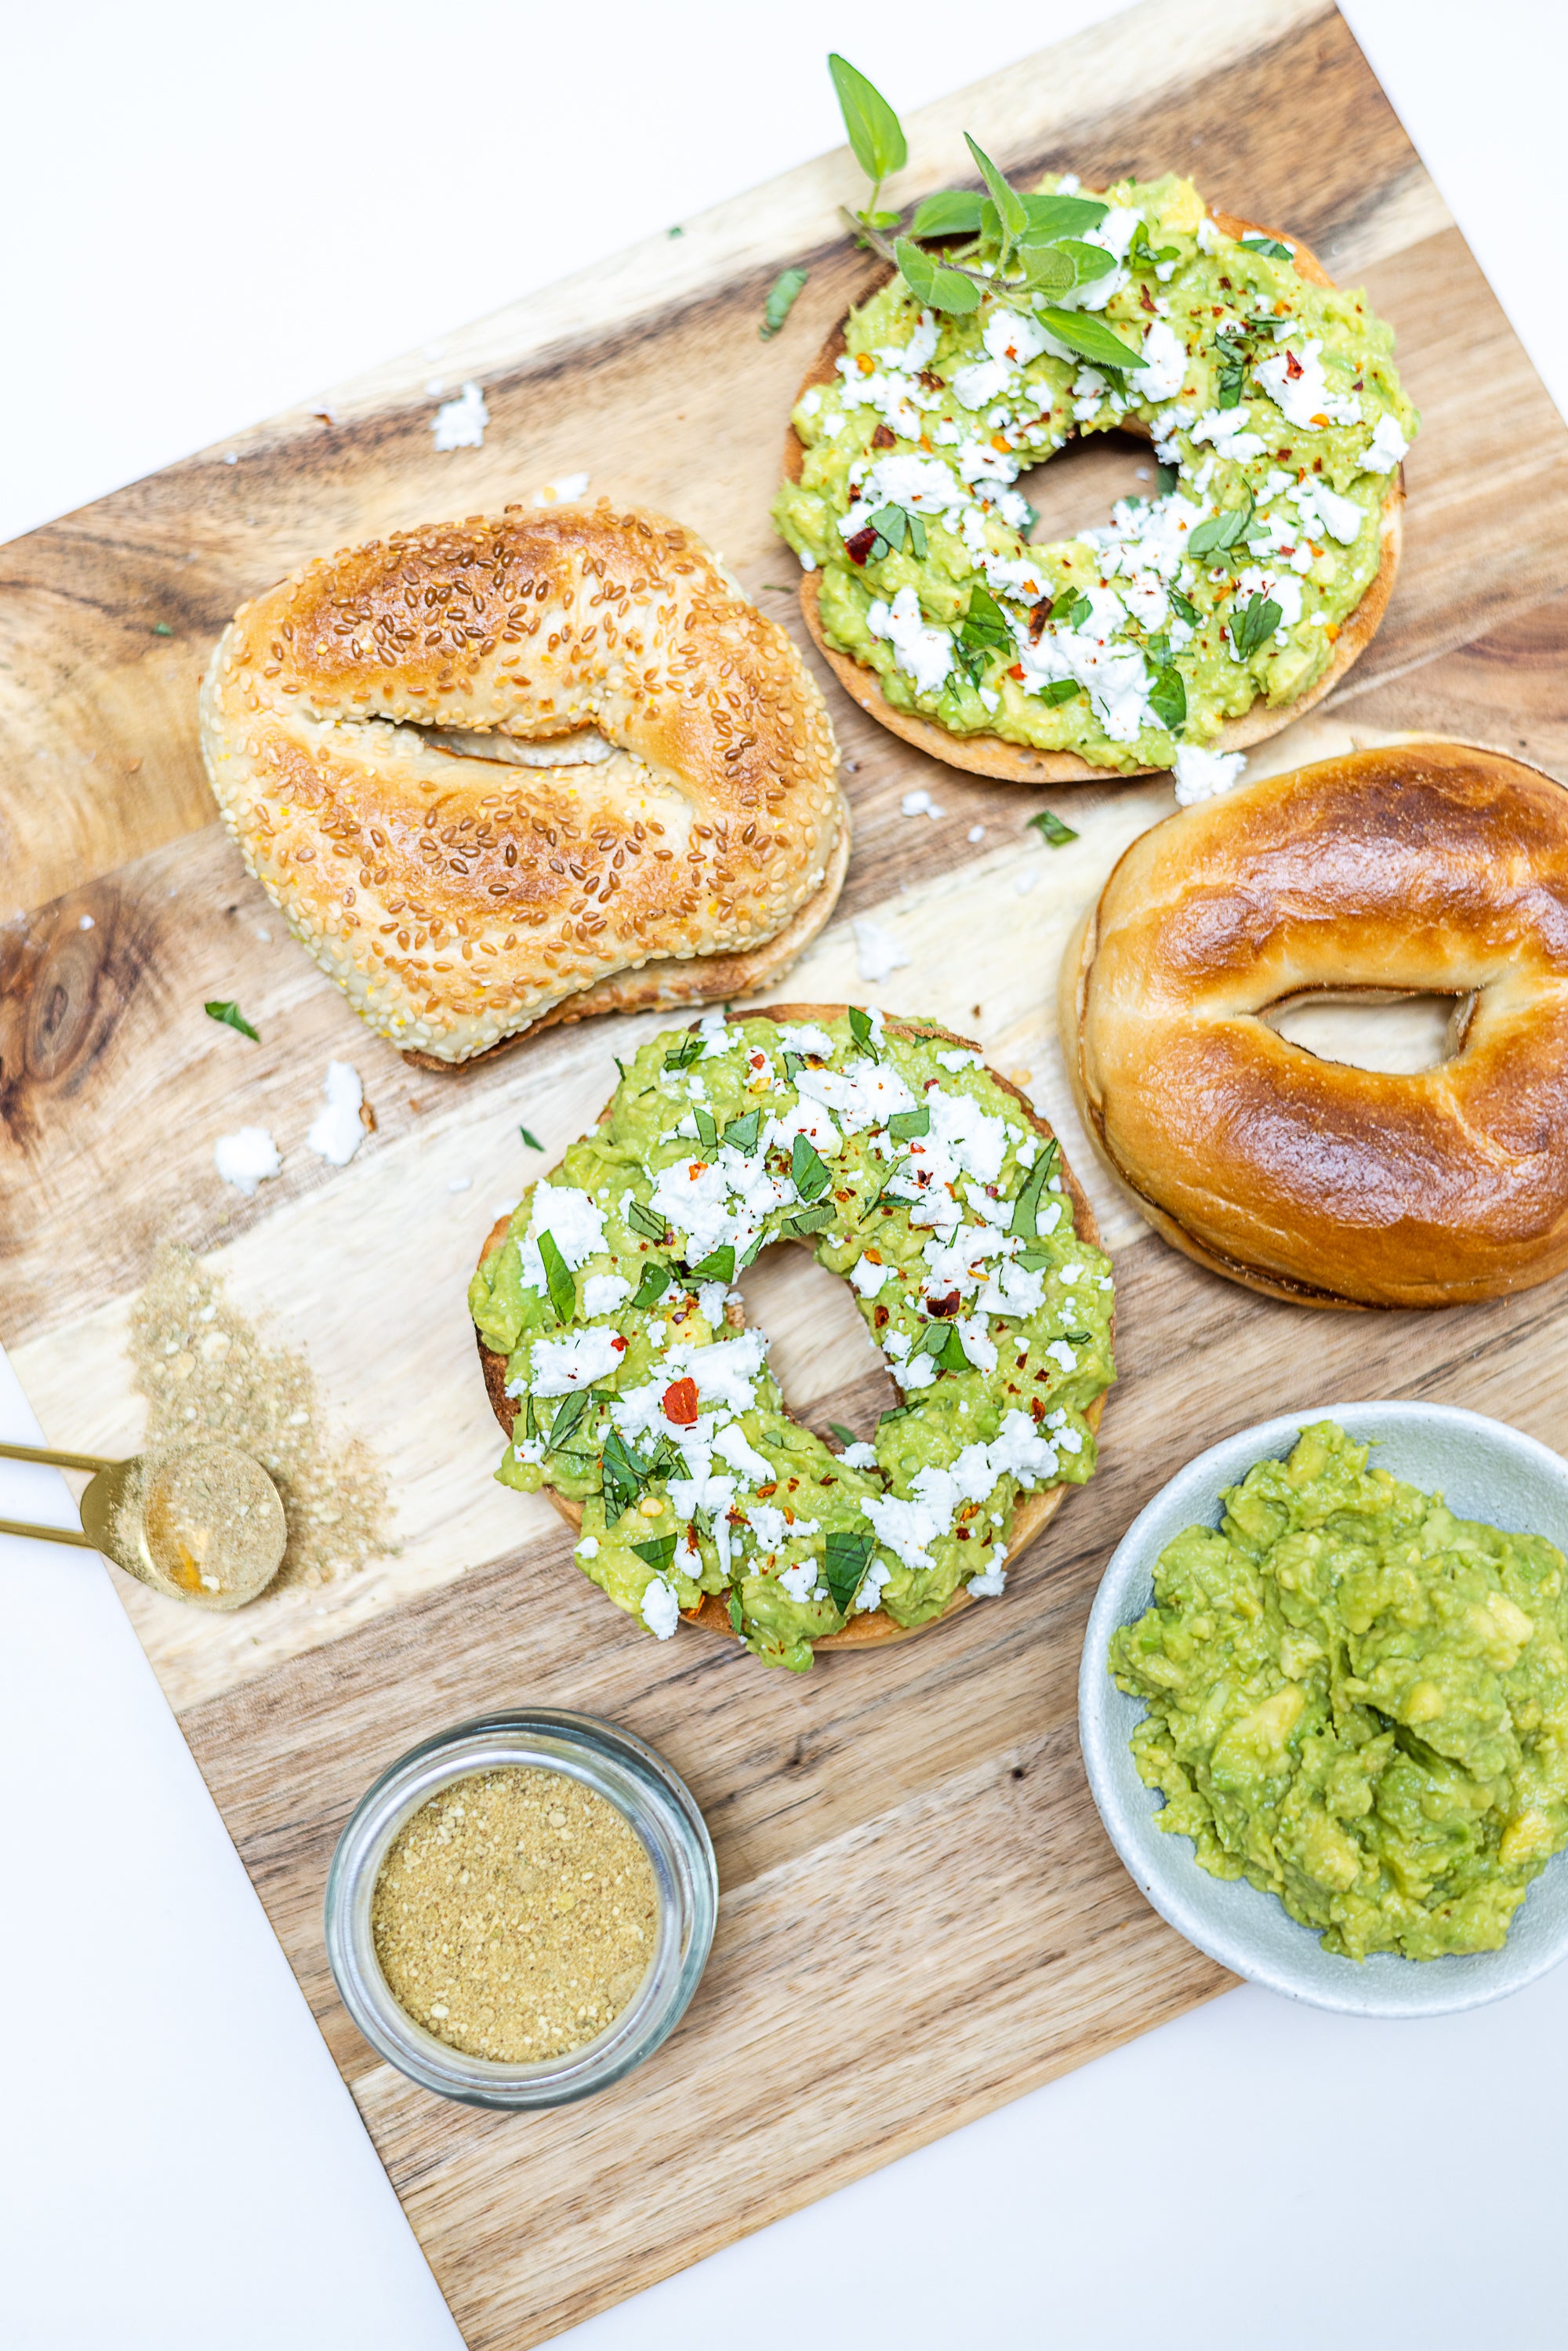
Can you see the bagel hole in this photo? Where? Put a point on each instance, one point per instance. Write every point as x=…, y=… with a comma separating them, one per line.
x=1387, y=1030
x=1075, y=490
x=820, y=1350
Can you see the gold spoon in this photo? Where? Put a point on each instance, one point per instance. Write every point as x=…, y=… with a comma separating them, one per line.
x=199, y=1522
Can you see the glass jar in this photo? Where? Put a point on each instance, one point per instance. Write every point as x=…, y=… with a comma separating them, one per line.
x=657, y=1804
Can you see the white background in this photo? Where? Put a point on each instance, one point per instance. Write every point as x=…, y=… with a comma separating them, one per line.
x=210, y=213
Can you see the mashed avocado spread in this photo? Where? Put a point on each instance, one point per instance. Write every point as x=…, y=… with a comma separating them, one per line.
x=912, y=1173
x=1359, y=1702
x=1277, y=419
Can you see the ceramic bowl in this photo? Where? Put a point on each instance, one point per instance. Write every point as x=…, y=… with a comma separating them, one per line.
x=1485, y=1470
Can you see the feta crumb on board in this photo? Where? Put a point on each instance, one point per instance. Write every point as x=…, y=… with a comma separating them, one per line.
x=1200, y=775
x=337, y=1131
x=877, y=953
x=564, y=491
x=460, y=423
x=246, y=1158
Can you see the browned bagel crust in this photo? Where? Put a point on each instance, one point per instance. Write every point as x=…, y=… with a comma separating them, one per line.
x=1032, y=1513
x=1021, y=763
x=460, y=901
x=1420, y=866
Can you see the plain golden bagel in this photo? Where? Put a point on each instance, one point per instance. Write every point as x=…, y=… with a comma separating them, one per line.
x=1423, y=867
x=1021, y=763
x=1033, y=1512
x=525, y=767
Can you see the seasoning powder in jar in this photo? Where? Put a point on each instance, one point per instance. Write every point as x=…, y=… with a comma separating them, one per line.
x=514, y=1915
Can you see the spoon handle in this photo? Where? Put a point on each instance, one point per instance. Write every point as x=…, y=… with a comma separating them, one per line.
x=48, y=1534
x=55, y=1460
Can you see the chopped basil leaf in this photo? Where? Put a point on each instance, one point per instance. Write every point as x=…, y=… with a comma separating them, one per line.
x=707, y=1129
x=806, y=1221
x=1183, y=606
x=232, y=1018
x=1026, y=1208
x=845, y=1436
x=733, y=1604
x=531, y=1139
x=682, y=1055
x=780, y=301
x=562, y=1288
x=1166, y=478
x=741, y=1134
x=531, y=1420
x=1049, y=826
x=1221, y=531
x=861, y=1029
x=808, y=1170
x=657, y=1279
x=1269, y=244
x=1059, y=690
x=645, y=1220
x=1168, y=698
x=625, y=1475
x=717, y=1266
x=1082, y=610
x=941, y=1341
x=572, y=1409
x=1255, y=624
x=905, y=1124
x=846, y=1555
x=660, y=1554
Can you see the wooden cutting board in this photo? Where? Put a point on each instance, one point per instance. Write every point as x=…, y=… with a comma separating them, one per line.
x=921, y=1917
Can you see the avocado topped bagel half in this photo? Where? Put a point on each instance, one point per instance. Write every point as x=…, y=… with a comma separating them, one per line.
x=618, y=1361
x=1280, y=426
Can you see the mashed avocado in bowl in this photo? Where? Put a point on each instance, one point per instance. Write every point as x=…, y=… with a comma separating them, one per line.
x=1333, y=1655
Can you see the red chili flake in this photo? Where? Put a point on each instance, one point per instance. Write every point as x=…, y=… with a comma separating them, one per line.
x=1038, y=616
x=1293, y=367
x=963, y=1534
x=763, y=1491
x=619, y=1345
x=1147, y=298
x=881, y=438
x=1037, y=1406
x=945, y=1307
x=681, y=1403
x=859, y=548
x=879, y=1316
x=1016, y=671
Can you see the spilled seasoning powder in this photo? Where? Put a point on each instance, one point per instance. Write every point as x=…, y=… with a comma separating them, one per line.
x=515, y=1913
x=206, y=1372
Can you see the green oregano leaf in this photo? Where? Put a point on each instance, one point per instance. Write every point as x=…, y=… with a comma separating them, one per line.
x=562, y=1288
x=645, y=1220
x=955, y=213
x=931, y=282
x=1048, y=268
x=781, y=300
x=846, y=1555
x=232, y=1018
x=1089, y=336
x=808, y=1169
x=1011, y=211
x=876, y=133
x=1090, y=262
x=1049, y=825
x=1050, y=217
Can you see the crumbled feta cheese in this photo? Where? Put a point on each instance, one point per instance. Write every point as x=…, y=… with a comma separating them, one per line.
x=925, y=654
x=460, y=423
x=807, y=1039
x=1164, y=364
x=859, y=1457
x=560, y=1365
x=573, y=1221
x=877, y=953
x=867, y=1277
x=565, y=491
x=1387, y=449
x=1200, y=775
x=1296, y=383
x=337, y=1133
x=958, y=1057
x=661, y=1608
x=992, y=1582
x=588, y=1548
x=1226, y=429
x=733, y=1444
x=246, y=1158
x=603, y=1292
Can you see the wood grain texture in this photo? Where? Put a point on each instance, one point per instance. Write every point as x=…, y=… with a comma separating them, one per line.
x=905, y=1834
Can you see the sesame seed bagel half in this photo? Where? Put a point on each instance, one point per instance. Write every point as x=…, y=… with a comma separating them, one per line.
x=1033, y=1512
x=1022, y=763
x=526, y=768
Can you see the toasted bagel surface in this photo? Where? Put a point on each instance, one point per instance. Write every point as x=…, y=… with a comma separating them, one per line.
x=1032, y=1510
x=375, y=725
x=1422, y=867
x=1008, y=762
